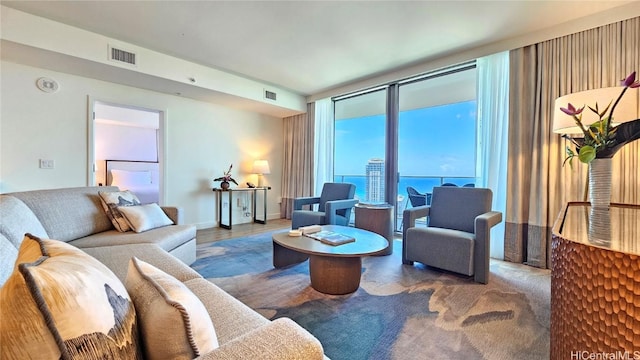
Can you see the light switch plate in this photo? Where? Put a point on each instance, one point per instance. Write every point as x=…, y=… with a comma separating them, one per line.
x=46, y=164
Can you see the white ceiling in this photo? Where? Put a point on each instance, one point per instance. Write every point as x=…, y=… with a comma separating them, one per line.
x=311, y=46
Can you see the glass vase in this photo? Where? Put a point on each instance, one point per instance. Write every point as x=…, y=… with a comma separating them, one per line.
x=600, y=183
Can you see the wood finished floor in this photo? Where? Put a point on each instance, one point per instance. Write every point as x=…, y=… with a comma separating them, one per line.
x=218, y=233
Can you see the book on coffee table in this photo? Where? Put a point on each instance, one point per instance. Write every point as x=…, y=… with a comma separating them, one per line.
x=331, y=238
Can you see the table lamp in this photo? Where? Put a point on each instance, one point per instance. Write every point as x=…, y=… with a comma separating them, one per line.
x=625, y=122
x=627, y=109
x=261, y=167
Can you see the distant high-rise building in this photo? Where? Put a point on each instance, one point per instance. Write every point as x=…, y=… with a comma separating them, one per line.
x=374, y=189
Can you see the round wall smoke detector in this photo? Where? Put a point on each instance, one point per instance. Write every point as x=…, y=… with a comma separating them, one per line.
x=47, y=85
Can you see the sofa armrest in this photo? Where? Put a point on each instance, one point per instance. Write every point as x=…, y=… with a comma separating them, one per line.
x=482, y=228
x=281, y=339
x=301, y=201
x=175, y=213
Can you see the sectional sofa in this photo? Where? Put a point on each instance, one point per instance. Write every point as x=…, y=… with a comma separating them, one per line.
x=86, y=238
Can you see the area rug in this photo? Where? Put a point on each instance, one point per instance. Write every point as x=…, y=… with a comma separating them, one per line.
x=399, y=311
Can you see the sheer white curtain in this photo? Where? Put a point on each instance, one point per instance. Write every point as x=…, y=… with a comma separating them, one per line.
x=323, y=143
x=493, y=120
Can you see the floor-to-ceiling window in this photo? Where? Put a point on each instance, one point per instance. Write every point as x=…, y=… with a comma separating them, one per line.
x=437, y=133
x=435, y=136
x=360, y=137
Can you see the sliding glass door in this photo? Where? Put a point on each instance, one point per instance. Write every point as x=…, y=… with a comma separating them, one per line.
x=428, y=139
x=360, y=136
x=437, y=134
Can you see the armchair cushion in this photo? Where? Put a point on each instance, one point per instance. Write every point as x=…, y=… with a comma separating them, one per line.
x=426, y=246
x=334, y=206
x=307, y=217
x=447, y=212
x=336, y=191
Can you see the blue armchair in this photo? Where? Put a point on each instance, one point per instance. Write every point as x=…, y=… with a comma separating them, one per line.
x=334, y=206
x=458, y=234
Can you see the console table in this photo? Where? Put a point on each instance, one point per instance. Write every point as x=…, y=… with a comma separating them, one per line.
x=253, y=192
x=595, y=281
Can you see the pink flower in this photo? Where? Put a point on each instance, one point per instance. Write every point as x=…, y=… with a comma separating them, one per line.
x=571, y=110
x=630, y=81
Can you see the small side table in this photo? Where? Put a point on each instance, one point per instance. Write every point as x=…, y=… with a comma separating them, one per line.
x=377, y=218
x=253, y=192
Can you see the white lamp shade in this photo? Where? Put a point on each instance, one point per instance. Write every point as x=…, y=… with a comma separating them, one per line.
x=261, y=167
x=626, y=110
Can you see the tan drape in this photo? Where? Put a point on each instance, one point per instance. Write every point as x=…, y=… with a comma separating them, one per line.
x=297, y=174
x=538, y=186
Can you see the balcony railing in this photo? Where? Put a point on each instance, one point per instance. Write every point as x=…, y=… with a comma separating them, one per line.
x=423, y=184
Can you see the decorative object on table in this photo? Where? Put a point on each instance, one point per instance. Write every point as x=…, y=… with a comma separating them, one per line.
x=261, y=167
x=295, y=232
x=602, y=134
x=226, y=179
x=599, y=232
x=310, y=229
x=331, y=237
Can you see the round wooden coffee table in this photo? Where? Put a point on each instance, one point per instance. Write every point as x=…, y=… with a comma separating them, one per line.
x=333, y=270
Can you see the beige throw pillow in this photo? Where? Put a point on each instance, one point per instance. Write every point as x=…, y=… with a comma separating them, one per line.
x=145, y=217
x=111, y=201
x=60, y=303
x=174, y=324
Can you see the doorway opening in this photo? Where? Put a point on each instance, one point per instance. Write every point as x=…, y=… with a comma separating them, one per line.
x=127, y=149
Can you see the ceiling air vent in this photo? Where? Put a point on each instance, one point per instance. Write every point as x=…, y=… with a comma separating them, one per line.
x=122, y=56
x=270, y=95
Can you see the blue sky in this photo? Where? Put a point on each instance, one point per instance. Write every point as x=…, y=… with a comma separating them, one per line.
x=435, y=141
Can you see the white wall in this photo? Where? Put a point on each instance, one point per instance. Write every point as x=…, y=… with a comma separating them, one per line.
x=202, y=139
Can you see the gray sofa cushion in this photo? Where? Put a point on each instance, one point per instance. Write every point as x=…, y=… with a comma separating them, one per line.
x=117, y=259
x=230, y=317
x=17, y=219
x=81, y=208
x=8, y=256
x=245, y=334
x=168, y=237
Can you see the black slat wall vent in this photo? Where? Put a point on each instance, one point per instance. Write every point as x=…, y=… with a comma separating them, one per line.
x=270, y=95
x=123, y=56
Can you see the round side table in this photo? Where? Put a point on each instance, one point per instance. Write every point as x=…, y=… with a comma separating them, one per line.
x=377, y=218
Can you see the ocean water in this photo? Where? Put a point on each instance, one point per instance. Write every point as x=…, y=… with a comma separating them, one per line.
x=421, y=184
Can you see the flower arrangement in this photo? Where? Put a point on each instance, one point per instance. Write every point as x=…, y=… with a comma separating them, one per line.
x=601, y=140
x=227, y=176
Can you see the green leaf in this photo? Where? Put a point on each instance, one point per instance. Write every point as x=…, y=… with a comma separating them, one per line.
x=570, y=156
x=599, y=127
x=570, y=160
x=587, y=154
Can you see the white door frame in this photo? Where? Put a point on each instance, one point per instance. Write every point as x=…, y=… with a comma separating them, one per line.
x=162, y=141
